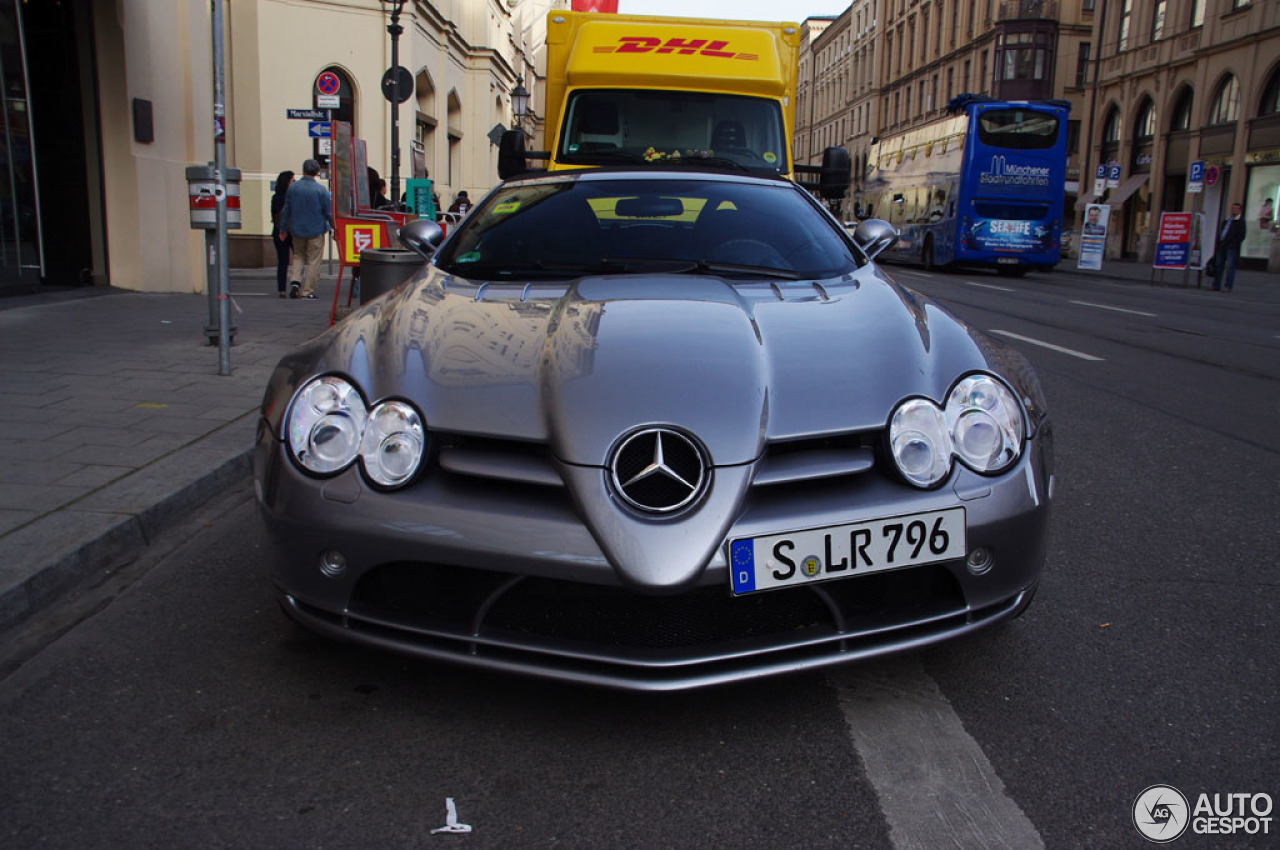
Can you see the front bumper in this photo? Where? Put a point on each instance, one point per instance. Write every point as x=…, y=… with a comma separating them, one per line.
x=507, y=577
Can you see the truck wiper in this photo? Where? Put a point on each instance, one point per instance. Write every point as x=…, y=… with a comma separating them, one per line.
x=600, y=157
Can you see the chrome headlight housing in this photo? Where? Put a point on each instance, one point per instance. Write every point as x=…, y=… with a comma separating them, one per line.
x=981, y=424
x=986, y=424
x=393, y=442
x=328, y=426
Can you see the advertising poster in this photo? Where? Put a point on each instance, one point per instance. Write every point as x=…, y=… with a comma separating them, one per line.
x=1093, y=236
x=1260, y=210
x=1009, y=236
x=1173, y=241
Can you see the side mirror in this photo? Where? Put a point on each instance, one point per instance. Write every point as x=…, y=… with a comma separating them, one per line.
x=423, y=236
x=511, y=157
x=874, y=236
x=836, y=174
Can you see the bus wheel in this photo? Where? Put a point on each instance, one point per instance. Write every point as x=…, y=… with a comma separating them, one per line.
x=927, y=256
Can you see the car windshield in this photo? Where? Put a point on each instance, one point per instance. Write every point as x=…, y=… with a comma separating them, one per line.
x=566, y=227
x=617, y=125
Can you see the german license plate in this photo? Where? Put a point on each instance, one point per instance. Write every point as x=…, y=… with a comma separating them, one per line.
x=1006, y=261
x=843, y=551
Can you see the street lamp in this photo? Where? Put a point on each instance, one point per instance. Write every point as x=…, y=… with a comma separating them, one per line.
x=394, y=28
x=519, y=103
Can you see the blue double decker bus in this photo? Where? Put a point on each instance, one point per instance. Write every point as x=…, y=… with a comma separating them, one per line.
x=982, y=187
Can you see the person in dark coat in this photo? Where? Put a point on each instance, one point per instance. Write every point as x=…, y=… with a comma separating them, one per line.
x=282, y=241
x=1230, y=237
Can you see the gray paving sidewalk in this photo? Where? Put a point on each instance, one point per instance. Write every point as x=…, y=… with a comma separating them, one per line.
x=1251, y=284
x=116, y=423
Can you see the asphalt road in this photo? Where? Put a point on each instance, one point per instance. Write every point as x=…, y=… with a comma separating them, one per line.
x=174, y=706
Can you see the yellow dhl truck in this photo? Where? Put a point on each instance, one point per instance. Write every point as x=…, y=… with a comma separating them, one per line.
x=636, y=90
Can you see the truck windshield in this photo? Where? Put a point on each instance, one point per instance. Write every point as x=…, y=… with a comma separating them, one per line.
x=610, y=126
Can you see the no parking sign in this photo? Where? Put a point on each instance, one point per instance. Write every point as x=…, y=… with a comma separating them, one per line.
x=328, y=83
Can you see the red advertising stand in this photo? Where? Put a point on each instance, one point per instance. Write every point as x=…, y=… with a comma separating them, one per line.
x=358, y=227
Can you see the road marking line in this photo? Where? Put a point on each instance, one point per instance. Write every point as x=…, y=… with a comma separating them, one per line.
x=989, y=286
x=935, y=784
x=1048, y=345
x=1115, y=309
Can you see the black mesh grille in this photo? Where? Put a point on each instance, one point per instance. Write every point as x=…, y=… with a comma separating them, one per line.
x=617, y=618
x=449, y=598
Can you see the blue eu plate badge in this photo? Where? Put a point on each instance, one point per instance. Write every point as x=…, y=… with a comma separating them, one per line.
x=742, y=562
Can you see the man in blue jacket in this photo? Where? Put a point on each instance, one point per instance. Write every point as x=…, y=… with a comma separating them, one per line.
x=308, y=218
x=1230, y=237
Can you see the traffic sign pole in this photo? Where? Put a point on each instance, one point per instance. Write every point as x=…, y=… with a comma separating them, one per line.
x=220, y=194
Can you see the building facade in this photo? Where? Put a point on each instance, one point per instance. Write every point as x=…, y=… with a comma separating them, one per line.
x=1180, y=81
x=92, y=175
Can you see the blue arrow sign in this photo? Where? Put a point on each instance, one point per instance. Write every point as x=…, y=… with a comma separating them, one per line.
x=318, y=129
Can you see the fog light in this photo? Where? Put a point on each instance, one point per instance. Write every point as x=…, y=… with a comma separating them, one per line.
x=979, y=560
x=333, y=563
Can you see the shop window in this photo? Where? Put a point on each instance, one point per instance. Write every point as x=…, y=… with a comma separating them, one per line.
x=1226, y=102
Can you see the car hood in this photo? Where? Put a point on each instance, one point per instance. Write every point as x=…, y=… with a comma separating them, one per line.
x=579, y=365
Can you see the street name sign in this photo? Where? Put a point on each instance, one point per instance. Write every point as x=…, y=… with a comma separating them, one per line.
x=307, y=114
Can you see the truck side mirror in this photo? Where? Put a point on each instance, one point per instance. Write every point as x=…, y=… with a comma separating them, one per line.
x=511, y=158
x=836, y=174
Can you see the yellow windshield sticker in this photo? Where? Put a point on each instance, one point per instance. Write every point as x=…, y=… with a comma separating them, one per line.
x=769, y=157
x=506, y=207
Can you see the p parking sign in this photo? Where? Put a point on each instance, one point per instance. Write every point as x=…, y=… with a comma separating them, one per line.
x=1195, y=178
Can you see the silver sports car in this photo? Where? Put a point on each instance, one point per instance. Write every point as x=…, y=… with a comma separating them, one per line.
x=653, y=430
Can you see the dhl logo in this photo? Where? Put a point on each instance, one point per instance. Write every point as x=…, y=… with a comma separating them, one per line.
x=679, y=46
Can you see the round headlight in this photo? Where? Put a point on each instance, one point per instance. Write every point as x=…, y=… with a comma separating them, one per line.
x=325, y=424
x=985, y=422
x=920, y=443
x=393, y=443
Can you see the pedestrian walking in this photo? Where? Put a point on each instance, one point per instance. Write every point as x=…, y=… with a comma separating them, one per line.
x=1230, y=237
x=307, y=217
x=282, y=241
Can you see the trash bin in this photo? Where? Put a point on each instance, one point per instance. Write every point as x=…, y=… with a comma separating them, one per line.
x=383, y=269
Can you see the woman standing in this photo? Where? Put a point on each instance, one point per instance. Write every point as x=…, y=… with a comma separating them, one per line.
x=284, y=246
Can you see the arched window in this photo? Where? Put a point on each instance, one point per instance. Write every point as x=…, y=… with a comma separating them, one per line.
x=346, y=110
x=426, y=119
x=454, y=106
x=1181, y=116
x=1145, y=127
x=1226, y=102
x=1271, y=95
x=1111, y=127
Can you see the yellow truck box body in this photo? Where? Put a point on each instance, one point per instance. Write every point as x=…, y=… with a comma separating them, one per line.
x=604, y=51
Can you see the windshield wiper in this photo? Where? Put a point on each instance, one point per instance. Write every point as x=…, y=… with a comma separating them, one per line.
x=601, y=156
x=708, y=267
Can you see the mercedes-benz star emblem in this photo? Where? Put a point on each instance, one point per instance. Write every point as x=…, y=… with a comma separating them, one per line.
x=658, y=470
